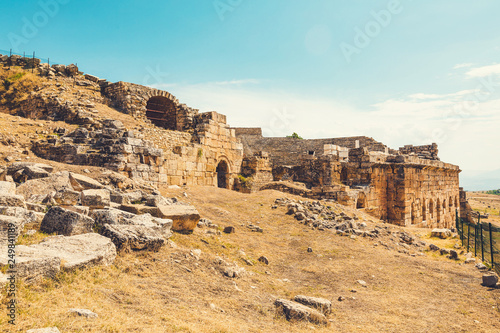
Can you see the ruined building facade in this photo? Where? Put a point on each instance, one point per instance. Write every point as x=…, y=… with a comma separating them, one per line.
x=409, y=186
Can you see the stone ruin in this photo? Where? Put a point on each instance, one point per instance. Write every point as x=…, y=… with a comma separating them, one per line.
x=409, y=186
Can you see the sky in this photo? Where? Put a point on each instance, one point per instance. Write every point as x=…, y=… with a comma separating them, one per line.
x=400, y=71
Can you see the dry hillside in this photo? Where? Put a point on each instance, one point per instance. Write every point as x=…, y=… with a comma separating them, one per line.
x=408, y=288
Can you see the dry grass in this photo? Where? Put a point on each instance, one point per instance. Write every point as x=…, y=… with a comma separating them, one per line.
x=486, y=203
x=170, y=291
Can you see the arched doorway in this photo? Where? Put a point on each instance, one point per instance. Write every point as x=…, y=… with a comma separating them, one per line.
x=431, y=209
x=162, y=112
x=438, y=211
x=343, y=176
x=222, y=174
x=424, y=212
x=361, y=202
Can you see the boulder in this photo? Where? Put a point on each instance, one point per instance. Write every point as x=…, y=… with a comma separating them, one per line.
x=490, y=280
x=133, y=237
x=184, y=217
x=34, y=172
x=441, y=233
x=95, y=198
x=296, y=311
x=321, y=304
x=74, y=251
x=12, y=200
x=157, y=200
x=66, y=222
x=140, y=209
x=81, y=182
x=7, y=188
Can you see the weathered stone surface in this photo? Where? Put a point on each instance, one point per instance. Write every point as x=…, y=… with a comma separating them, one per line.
x=82, y=182
x=184, y=217
x=44, y=330
x=26, y=215
x=36, y=189
x=83, y=313
x=74, y=251
x=10, y=226
x=490, y=280
x=31, y=269
x=8, y=188
x=140, y=209
x=441, y=233
x=133, y=237
x=229, y=230
x=296, y=311
x=67, y=197
x=163, y=226
x=321, y=304
x=96, y=198
x=12, y=200
x=65, y=222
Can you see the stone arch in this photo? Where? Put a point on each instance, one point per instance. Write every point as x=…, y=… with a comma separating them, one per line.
x=162, y=112
x=222, y=171
x=361, y=202
x=413, y=214
x=424, y=211
x=450, y=204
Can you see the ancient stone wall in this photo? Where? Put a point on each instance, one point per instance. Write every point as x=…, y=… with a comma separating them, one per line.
x=289, y=151
x=429, y=152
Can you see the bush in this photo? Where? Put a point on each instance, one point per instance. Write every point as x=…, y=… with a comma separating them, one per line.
x=294, y=136
x=16, y=86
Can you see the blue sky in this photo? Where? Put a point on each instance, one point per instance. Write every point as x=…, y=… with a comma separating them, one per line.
x=402, y=72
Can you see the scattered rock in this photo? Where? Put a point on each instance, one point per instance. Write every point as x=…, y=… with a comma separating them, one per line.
x=441, y=233
x=296, y=311
x=453, y=255
x=362, y=283
x=321, y=304
x=229, y=230
x=7, y=188
x=83, y=313
x=96, y=199
x=433, y=247
x=264, y=260
x=184, y=217
x=309, y=249
x=490, y=280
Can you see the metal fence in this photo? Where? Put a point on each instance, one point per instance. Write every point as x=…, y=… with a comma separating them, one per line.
x=29, y=58
x=483, y=239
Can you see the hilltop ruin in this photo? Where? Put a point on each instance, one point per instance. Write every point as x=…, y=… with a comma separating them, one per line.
x=408, y=186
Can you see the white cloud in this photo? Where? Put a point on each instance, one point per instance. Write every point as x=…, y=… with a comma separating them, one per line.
x=484, y=71
x=465, y=128
x=464, y=65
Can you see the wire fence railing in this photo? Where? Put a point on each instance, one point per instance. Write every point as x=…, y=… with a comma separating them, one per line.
x=29, y=60
x=483, y=239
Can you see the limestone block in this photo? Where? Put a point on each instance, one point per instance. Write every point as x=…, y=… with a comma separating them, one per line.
x=67, y=197
x=184, y=217
x=296, y=311
x=96, y=198
x=12, y=200
x=321, y=304
x=441, y=233
x=44, y=330
x=74, y=252
x=10, y=226
x=133, y=237
x=65, y=222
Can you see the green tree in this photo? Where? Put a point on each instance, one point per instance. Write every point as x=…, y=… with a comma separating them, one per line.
x=294, y=136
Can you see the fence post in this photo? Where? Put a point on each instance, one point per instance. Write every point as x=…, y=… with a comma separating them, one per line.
x=482, y=243
x=491, y=247
x=468, y=236
x=475, y=240
x=462, y=230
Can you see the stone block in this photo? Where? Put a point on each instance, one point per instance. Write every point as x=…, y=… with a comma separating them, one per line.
x=10, y=228
x=65, y=222
x=133, y=237
x=81, y=182
x=184, y=217
x=96, y=198
x=321, y=304
x=12, y=200
x=490, y=280
x=441, y=233
x=67, y=197
x=294, y=311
